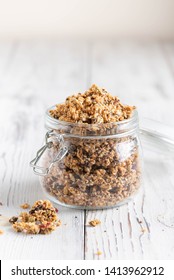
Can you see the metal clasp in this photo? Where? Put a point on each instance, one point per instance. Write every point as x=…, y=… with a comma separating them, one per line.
x=43, y=171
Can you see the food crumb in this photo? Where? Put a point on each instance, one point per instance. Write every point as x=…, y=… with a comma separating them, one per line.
x=95, y=222
x=25, y=206
x=143, y=230
x=1, y=231
x=13, y=219
x=99, y=253
x=41, y=219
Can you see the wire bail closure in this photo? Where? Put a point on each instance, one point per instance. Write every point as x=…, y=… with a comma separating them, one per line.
x=42, y=171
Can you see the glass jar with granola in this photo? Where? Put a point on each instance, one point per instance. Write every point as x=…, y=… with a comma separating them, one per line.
x=91, y=157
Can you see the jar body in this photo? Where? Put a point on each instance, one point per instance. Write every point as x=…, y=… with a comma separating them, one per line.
x=90, y=166
x=96, y=172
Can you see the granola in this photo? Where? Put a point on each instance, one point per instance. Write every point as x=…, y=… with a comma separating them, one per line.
x=94, y=223
x=1, y=231
x=93, y=106
x=25, y=206
x=98, y=253
x=13, y=219
x=100, y=168
x=41, y=219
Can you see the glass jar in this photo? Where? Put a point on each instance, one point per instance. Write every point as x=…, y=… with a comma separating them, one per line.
x=90, y=166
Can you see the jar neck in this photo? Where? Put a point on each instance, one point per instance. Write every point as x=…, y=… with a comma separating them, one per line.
x=117, y=129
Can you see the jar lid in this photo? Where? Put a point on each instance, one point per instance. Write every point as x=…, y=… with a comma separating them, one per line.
x=157, y=137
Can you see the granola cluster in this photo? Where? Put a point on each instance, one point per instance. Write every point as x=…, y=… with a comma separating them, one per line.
x=41, y=219
x=25, y=206
x=93, y=106
x=94, y=223
x=100, y=168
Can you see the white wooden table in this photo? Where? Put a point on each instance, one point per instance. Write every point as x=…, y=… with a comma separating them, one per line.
x=35, y=75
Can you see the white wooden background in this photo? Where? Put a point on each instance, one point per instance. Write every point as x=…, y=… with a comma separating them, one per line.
x=35, y=75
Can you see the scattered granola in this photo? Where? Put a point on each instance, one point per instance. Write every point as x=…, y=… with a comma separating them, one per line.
x=25, y=206
x=99, y=253
x=100, y=169
x=1, y=231
x=13, y=220
x=94, y=223
x=41, y=219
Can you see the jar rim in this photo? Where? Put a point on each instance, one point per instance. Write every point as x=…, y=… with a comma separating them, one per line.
x=52, y=120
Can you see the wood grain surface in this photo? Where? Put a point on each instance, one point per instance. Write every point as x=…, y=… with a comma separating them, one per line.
x=35, y=75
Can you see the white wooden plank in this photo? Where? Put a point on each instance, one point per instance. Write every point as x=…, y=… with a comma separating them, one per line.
x=40, y=75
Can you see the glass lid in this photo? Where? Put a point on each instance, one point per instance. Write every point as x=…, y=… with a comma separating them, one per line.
x=157, y=137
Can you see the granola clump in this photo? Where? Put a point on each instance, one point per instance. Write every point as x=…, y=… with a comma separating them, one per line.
x=94, y=223
x=25, y=206
x=13, y=219
x=93, y=106
x=99, y=253
x=101, y=168
x=41, y=219
x=1, y=231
